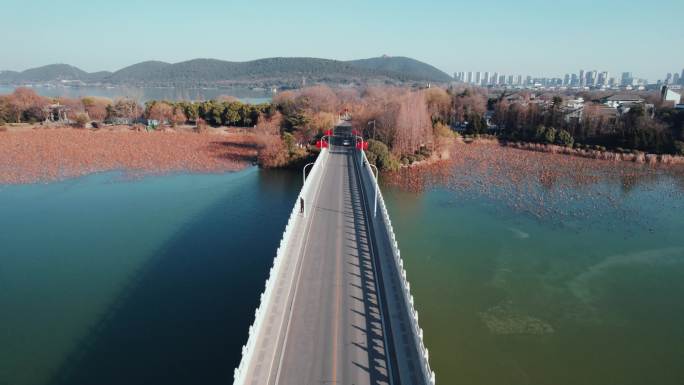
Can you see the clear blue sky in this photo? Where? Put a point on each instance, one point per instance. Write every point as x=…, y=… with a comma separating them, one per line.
x=523, y=36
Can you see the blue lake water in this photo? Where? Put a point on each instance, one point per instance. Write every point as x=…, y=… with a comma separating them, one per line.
x=107, y=280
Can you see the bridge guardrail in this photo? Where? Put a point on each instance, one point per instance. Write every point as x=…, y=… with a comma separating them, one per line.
x=416, y=331
x=265, y=299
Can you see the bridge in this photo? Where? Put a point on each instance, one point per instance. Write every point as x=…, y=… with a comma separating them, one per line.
x=337, y=307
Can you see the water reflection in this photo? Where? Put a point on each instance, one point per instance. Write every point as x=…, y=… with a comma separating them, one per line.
x=170, y=302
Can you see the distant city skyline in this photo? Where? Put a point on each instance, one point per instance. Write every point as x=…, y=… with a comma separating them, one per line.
x=524, y=37
x=581, y=77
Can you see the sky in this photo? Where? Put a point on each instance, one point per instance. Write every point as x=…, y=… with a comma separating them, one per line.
x=540, y=38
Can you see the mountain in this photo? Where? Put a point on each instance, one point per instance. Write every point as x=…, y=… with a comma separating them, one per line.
x=411, y=69
x=137, y=72
x=8, y=76
x=281, y=71
x=52, y=72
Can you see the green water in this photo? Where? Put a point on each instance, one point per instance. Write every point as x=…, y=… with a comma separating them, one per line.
x=106, y=280
x=506, y=297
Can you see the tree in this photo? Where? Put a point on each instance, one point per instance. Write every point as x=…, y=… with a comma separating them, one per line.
x=413, y=125
x=81, y=120
x=123, y=108
x=550, y=135
x=316, y=99
x=160, y=111
x=540, y=133
x=190, y=110
x=379, y=155
x=438, y=104
x=178, y=116
x=96, y=108
x=22, y=100
x=564, y=138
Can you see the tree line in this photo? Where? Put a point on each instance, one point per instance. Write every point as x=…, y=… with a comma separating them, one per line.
x=650, y=127
x=26, y=106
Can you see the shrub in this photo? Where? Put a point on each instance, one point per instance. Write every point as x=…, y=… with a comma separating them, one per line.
x=81, y=120
x=539, y=133
x=550, y=135
x=379, y=155
x=564, y=138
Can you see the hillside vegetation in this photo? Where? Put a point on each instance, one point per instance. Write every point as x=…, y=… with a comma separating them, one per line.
x=279, y=71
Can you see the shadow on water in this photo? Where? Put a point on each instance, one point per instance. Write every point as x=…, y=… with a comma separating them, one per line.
x=184, y=315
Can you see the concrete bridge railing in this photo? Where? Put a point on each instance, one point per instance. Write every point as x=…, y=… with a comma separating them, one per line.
x=295, y=220
x=416, y=331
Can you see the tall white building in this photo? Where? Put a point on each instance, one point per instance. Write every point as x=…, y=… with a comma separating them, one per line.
x=485, y=79
x=470, y=77
x=495, y=78
x=478, y=77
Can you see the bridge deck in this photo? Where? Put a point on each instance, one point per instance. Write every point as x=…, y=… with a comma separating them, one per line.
x=329, y=325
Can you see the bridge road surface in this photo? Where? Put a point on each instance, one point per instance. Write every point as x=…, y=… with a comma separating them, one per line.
x=330, y=326
x=335, y=334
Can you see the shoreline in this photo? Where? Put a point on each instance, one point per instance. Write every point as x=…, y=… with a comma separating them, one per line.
x=48, y=155
x=635, y=157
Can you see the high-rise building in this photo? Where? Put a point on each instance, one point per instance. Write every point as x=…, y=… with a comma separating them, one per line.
x=470, y=77
x=502, y=80
x=681, y=78
x=495, y=79
x=603, y=78
x=582, y=79
x=574, y=80
x=668, y=78
x=528, y=80
x=485, y=79
x=478, y=78
x=675, y=78
x=592, y=78
x=626, y=79
x=518, y=81
x=566, y=80
x=510, y=80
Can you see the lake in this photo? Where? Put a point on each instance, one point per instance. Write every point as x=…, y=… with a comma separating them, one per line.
x=143, y=94
x=110, y=280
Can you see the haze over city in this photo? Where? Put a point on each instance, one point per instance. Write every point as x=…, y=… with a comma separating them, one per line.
x=523, y=37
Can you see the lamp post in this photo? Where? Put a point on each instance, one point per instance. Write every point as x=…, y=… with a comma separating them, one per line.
x=304, y=172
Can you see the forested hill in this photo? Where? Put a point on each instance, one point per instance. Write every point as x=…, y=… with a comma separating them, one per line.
x=412, y=69
x=263, y=72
